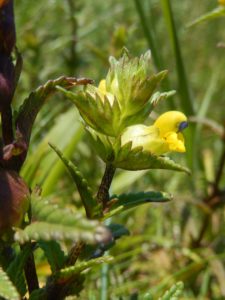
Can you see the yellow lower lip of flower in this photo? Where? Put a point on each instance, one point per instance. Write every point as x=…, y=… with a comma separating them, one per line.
x=175, y=141
x=149, y=138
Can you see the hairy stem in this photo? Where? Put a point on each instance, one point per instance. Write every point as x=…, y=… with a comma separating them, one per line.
x=103, y=191
x=30, y=273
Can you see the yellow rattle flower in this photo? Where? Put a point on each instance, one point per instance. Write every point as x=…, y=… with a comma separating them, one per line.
x=162, y=137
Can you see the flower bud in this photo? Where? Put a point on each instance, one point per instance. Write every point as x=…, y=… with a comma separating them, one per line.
x=14, y=199
x=132, y=81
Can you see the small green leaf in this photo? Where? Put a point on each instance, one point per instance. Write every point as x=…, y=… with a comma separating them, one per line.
x=38, y=294
x=44, y=210
x=7, y=289
x=101, y=143
x=28, y=111
x=127, y=201
x=15, y=269
x=72, y=271
x=47, y=232
x=91, y=205
x=174, y=292
x=218, y=12
x=54, y=254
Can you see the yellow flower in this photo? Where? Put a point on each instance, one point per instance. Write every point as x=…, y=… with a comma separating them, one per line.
x=163, y=136
x=103, y=92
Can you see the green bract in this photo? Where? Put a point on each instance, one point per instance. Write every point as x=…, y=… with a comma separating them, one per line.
x=124, y=99
x=133, y=82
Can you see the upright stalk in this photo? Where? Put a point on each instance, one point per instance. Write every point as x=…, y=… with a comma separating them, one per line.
x=103, y=191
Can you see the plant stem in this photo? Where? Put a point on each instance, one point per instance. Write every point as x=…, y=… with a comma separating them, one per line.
x=213, y=201
x=74, y=253
x=30, y=273
x=186, y=100
x=72, y=59
x=7, y=127
x=148, y=35
x=147, y=25
x=103, y=191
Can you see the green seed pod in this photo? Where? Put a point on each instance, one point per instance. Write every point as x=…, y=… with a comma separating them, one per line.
x=14, y=199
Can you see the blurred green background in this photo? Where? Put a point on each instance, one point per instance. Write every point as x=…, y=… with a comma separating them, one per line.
x=75, y=38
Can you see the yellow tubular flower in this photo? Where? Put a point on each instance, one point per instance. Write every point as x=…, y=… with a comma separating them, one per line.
x=163, y=136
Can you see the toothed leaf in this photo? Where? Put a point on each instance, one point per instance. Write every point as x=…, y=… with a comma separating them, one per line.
x=91, y=205
x=7, y=289
x=136, y=159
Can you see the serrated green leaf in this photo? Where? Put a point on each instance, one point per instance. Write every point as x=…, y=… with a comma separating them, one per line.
x=32, y=105
x=218, y=12
x=72, y=271
x=54, y=254
x=7, y=289
x=47, y=232
x=44, y=210
x=91, y=205
x=127, y=201
x=38, y=294
x=174, y=292
x=136, y=159
x=16, y=267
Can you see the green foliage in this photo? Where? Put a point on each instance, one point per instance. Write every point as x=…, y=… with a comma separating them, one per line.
x=7, y=289
x=16, y=267
x=54, y=254
x=186, y=100
x=174, y=292
x=47, y=231
x=31, y=106
x=97, y=113
x=90, y=203
x=70, y=272
x=137, y=159
x=217, y=12
x=134, y=199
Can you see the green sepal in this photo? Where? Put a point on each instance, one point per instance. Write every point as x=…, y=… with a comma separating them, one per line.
x=101, y=143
